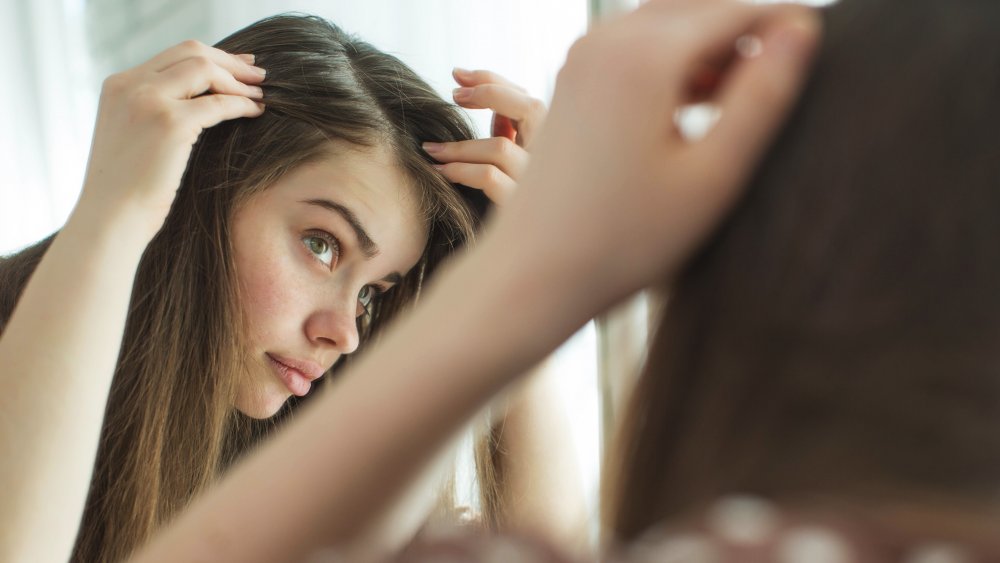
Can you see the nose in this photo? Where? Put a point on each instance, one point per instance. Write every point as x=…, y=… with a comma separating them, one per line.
x=333, y=325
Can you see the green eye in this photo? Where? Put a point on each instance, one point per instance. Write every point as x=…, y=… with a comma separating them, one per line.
x=318, y=245
x=326, y=250
x=366, y=295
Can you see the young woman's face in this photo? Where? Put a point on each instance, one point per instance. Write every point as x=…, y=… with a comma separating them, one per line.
x=311, y=252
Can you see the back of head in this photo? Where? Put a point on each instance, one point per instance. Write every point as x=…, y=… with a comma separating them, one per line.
x=838, y=336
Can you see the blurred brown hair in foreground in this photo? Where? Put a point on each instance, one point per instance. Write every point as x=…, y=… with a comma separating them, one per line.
x=839, y=337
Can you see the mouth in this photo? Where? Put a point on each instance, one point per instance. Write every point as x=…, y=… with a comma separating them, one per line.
x=297, y=376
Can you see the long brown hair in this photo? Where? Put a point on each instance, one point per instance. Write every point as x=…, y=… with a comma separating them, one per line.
x=169, y=429
x=838, y=337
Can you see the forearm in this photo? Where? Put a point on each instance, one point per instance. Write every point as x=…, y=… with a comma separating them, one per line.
x=57, y=359
x=352, y=452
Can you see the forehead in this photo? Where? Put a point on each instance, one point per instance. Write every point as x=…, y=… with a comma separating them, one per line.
x=369, y=176
x=366, y=180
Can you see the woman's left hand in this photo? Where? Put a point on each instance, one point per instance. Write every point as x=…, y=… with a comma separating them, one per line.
x=493, y=165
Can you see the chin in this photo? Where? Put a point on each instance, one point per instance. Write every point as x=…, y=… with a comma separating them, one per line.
x=261, y=405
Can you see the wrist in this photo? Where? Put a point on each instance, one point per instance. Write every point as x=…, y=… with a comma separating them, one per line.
x=128, y=227
x=562, y=264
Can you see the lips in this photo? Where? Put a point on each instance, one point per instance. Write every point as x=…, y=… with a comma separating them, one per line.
x=297, y=375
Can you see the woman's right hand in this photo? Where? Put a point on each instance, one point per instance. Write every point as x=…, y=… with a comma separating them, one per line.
x=617, y=193
x=150, y=117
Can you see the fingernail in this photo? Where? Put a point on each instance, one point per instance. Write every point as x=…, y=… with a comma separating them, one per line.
x=743, y=520
x=810, y=544
x=247, y=58
x=438, y=167
x=256, y=91
x=461, y=71
x=462, y=94
x=433, y=147
x=259, y=70
x=260, y=106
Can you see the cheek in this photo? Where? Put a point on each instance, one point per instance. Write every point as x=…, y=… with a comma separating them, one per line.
x=268, y=298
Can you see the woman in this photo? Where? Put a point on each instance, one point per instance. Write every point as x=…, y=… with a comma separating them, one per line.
x=833, y=349
x=613, y=200
x=299, y=230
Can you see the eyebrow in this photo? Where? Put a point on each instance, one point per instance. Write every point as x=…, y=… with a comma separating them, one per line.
x=368, y=246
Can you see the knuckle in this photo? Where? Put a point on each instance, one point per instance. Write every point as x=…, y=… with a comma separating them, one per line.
x=491, y=176
x=163, y=118
x=592, y=55
x=536, y=107
x=143, y=101
x=147, y=107
x=115, y=84
x=220, y=103
x=202, y=63
x=502, y=146
x=192, y=46
x=487, y=90
x=580, y=48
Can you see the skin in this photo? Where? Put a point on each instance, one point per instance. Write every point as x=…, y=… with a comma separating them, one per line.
x=301, y=297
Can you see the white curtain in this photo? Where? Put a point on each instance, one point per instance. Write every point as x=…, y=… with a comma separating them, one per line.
x=522, y=39
x=48, y=100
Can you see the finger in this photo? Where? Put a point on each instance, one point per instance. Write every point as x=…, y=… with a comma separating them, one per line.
x=527, y=113
x=197, y=75
x=759, y=91
x=467, y=77
x=498, y=151
x=719, y=24
x=502, y=126
x=237, y=65
x=504, y=100
x=212, y=109
x=491, y=180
